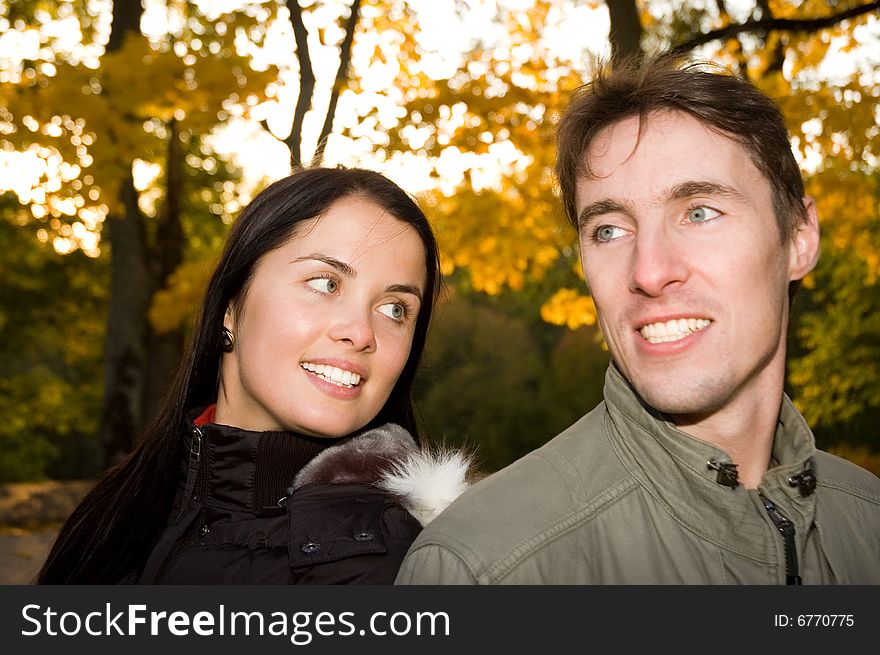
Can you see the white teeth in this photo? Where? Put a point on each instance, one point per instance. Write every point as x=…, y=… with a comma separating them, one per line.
x=337, y=376
x=672, y=330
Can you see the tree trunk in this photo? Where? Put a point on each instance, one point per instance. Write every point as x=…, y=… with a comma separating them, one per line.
x=125, y=351
x=125, y=348
x=164, y=351
x=626, y=29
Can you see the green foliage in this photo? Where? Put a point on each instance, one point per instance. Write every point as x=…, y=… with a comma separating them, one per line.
x=84, y=116
x=48, y=427
x=501, y=385
x=51, y=334
x=837, y=378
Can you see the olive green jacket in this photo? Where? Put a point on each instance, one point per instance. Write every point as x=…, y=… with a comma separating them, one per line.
x=623, y=497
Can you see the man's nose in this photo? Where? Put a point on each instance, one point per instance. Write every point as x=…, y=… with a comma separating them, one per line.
x=658, y=264
x=354, y=326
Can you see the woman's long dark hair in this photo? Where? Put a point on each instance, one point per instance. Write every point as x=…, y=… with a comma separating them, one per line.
x=108, y=537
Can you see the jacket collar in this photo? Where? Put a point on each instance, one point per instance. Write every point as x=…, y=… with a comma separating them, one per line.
x=674, y=466
x=250, y=471
x=253, y=471
x=425, y=481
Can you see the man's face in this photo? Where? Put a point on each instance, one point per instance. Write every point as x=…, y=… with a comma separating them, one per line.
x=682, y=254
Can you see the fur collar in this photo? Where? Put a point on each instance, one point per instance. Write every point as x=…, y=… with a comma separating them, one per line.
x=425, y=481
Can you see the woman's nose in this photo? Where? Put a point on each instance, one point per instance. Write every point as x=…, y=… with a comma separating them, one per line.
x=356, y=328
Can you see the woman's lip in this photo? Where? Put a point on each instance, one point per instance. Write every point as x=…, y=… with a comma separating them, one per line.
x=334, y=390
x=344, y=364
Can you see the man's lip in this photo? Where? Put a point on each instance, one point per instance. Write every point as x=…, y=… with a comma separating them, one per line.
x=344, y=364
x=642, y=322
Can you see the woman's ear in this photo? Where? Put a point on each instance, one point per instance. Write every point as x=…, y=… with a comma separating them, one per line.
x=229, y=318
x=805, y=243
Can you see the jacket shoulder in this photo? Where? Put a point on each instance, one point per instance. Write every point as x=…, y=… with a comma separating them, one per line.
x=514, y=512
x=837, y=473
x=848, y=518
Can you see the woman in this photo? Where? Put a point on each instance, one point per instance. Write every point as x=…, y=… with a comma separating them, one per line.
x=286, y=450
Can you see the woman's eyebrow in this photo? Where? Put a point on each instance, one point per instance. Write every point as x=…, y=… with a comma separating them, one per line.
x=340, y=266
x=348, y=271
x=405, y=288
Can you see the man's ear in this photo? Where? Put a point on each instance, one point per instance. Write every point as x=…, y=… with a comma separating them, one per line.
x=805, y=243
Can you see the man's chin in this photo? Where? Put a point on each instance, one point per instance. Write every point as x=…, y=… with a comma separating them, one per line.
x=681, y=404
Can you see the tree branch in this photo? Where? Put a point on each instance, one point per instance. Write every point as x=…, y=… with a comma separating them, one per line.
x=776, y=24
x=339, y=82
x=626, y=29
x=306, y=84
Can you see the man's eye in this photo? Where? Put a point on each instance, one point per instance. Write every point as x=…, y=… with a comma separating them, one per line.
x=608, y=233
x=323, y=284
x=393, y=310
x=702, y=214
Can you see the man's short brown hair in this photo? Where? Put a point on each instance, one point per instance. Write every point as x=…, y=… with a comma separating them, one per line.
x=728, y=104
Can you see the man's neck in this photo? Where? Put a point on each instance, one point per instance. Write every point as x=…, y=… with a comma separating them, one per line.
x=744, y=429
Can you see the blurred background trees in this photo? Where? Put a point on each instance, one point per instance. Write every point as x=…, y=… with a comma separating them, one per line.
x=133, y=133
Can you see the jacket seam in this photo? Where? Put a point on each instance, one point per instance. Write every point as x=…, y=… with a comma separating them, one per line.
x=823, y=548
x=850, y=490
x=505, y=565
x=449, y=551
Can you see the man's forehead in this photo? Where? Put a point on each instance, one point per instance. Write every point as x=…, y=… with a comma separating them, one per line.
x=663, y=144
x=618, y=135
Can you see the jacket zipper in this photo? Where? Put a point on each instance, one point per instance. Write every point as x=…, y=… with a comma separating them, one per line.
x=182, y=532
x=786, y=527
x=192, y=471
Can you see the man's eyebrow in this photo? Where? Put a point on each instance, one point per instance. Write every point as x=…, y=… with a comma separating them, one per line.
x=340, y=266
x=693, y=188
x=598, y=208
x=680, y=191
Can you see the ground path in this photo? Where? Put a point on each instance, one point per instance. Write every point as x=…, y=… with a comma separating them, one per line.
x=30, y=515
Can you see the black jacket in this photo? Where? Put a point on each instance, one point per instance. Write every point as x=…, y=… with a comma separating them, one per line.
x=249, y=512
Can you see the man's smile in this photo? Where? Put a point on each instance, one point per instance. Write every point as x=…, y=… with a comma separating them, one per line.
x=672, y=330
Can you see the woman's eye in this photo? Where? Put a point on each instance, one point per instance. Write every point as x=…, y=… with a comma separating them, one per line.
x=606, y=233
x=702, y=214
x=393, y=310
x=323, y=284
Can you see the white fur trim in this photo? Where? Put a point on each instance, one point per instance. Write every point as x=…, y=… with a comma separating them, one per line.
x=427, y=482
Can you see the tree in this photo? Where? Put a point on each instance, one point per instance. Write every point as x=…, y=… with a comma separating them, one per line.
x=502, y=402
x=307, y=82
x=149, y=104
x=50, y=354
x=90, y=125
x=509, y=236
x=121, y=129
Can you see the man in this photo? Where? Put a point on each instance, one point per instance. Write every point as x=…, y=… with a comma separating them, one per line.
x=696, y=468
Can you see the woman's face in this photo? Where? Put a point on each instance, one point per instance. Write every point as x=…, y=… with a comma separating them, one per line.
x=326, y=324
